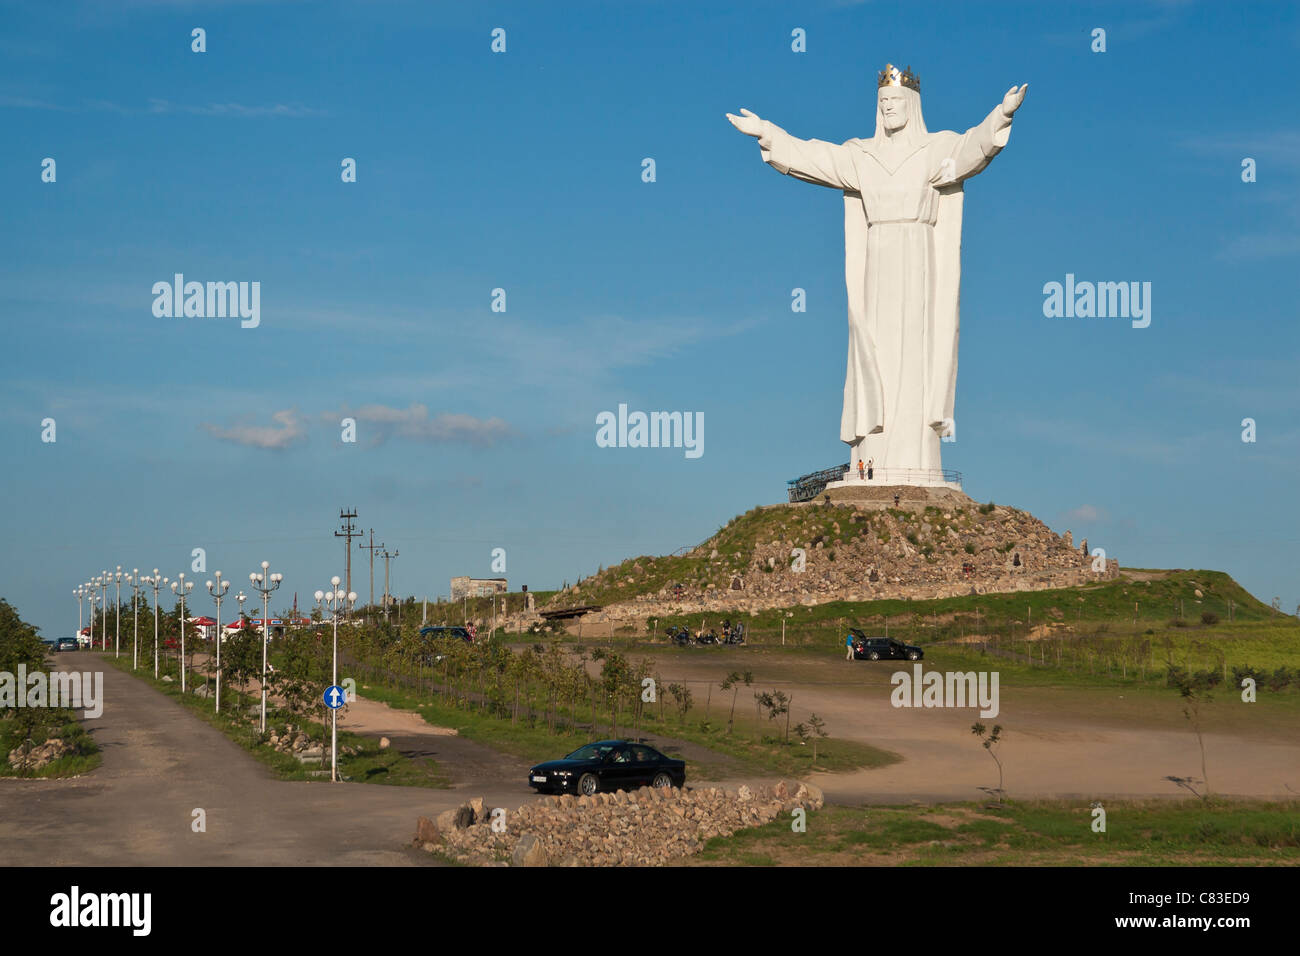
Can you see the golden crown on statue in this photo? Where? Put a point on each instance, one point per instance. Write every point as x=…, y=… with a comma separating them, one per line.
x=890, y=76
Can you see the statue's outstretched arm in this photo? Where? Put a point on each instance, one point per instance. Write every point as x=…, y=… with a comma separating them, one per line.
x=974, y=149
x=812, y=160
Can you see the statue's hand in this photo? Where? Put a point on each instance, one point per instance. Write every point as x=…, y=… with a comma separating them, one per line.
x=747, y=123
x=1011, y=102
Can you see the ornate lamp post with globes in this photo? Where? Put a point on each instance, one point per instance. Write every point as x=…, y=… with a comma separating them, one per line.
x=181, y=587
x=117, y=614
x=157, y=583
x=136, y=583
x=265, y=582
x=80, y=594
x=218, y=592
x=338, y=603
x=103, y=580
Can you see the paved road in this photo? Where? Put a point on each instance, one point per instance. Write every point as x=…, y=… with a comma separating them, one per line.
x=160, y=762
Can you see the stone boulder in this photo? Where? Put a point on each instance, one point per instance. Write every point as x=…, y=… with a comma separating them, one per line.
x=529, y=851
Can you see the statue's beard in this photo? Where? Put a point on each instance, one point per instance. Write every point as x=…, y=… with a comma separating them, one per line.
x=895, y=123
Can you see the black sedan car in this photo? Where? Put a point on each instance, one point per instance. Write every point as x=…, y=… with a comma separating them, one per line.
x=608, y=765
x=66, y=644
x=883, y=648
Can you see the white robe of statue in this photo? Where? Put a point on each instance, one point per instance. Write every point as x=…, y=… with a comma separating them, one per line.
x=902, y=234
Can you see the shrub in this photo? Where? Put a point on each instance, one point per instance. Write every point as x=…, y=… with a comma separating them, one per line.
x=1240, y=673
x=1209, y=617
x=970, y=548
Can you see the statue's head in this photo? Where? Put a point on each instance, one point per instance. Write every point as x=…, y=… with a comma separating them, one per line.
x=892, y=103
x=898, y=102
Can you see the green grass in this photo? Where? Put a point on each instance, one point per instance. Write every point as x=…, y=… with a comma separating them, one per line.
x=85, y=757
x=738, y=752
x=1050, y=833
x=1084, y=643
x=1107, y=604
x=369, y=765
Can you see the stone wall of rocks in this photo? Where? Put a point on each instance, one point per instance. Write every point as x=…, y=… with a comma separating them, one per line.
x=646, y=827
x=30, y=757
x=291, y=740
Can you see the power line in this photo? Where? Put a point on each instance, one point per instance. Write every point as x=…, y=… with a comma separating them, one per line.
x=349, y=532
x=371, y=548
x=387, y=557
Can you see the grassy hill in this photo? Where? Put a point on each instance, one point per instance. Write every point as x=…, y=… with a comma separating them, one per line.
x=849, y=540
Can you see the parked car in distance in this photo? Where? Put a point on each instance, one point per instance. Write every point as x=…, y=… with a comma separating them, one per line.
x=608, y=765
x=66, y=644
x=882, y=648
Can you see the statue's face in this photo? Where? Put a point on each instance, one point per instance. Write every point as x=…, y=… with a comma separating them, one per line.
x=893, y=108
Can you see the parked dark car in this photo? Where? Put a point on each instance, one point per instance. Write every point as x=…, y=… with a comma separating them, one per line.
x=608, y=765
x=66, y=644
x=883, y=648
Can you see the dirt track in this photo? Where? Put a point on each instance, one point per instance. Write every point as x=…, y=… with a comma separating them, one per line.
x=1078, y=744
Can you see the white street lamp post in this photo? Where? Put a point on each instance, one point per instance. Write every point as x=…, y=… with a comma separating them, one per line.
x=117, y=614
x=266, y=583
x=181, y=587
x=103, y=607
x=338, y=603
x=155, y=582
x=136, y=583
x=80, y=595
x=218, y=592
x=90, y=617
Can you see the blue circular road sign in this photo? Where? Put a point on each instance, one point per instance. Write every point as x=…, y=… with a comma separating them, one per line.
x=335, y=697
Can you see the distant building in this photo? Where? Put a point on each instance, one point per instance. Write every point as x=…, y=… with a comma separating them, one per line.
x=464, y=587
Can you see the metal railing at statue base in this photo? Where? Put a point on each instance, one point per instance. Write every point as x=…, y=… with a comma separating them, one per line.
x=807, y=487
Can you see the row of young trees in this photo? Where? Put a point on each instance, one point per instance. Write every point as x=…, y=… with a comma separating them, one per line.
x=541, y=685
x=23, y=728
x=563, y=691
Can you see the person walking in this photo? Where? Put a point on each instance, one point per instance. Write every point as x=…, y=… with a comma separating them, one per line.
x=862, y=471
x=870, y=469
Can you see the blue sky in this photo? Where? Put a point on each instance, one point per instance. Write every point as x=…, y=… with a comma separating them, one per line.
x=522, y=171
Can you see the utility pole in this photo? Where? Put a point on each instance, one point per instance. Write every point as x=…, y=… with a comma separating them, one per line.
x=349, y=531
x=371, y=548
x=387, y=557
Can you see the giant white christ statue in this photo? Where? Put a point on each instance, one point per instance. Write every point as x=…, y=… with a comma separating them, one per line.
x=902, y=264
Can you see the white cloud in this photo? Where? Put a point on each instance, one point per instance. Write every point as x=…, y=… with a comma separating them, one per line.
x=415, y=423
x=287, y=430
x=161, y=106
x=1087, y=513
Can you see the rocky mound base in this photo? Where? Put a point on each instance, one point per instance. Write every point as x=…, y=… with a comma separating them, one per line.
x=786, y=555
x=646, y=827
